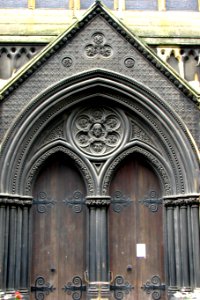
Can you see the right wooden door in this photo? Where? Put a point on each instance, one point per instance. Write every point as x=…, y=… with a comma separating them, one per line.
x=136, y=230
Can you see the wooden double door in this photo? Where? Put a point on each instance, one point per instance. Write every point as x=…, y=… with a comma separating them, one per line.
x=61, y=245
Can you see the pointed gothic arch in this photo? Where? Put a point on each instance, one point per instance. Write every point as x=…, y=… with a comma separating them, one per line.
x=177, y=143
x=154, y=131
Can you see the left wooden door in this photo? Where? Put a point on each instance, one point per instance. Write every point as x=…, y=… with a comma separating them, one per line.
x=58, y=232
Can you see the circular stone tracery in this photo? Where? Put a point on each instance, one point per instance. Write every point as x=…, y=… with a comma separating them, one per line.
x=98, y=131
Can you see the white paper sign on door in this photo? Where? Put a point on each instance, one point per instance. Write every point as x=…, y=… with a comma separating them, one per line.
x=141, y=250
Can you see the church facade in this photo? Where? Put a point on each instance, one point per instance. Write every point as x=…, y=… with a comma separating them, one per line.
x=99, y=170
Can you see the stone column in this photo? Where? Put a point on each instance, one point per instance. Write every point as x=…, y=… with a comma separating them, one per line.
x=3, y=244
x=183, y=240
x=14, y=246
x=171, y=255
x=98, y=246
x=195, y=228
x=184, y=246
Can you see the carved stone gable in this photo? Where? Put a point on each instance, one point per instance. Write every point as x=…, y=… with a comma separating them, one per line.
x=97, y=42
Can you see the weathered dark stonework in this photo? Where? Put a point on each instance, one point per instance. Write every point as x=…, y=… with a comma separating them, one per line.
x=98, y=95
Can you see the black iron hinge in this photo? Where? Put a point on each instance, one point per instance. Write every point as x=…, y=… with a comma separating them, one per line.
x=119, y=202
x=120, y=287
x=42, y=288
x=154, y=287
x=75, y=288
x=152, y=201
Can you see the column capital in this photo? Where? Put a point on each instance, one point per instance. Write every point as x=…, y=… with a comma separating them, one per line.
x=9, y=199
x=98, y=201
x=182, y=200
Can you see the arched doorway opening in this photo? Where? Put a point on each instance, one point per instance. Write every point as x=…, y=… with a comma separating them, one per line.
x=58, y=228
x=136, y=228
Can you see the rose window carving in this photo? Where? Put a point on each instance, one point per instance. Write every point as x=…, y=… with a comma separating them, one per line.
x=98, y=131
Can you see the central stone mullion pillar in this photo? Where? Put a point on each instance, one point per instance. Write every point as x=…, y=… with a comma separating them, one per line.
x=98, y=268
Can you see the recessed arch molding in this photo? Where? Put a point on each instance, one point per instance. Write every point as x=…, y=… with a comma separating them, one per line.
x=179, y=149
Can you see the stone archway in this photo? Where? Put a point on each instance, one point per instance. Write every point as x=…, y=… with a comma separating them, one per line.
x=153, y=129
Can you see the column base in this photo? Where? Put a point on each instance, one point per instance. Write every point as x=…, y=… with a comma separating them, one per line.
x=98, y=289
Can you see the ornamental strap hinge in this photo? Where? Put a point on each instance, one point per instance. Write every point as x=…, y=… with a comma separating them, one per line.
x=75, y=288
x=43, y=202
x=120, y=287
x=42, y=288
x=152, y=201
x=119, y=202
x=154, y=287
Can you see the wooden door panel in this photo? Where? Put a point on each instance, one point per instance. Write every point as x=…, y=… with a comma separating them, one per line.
x=58, y=242
x=136, y=224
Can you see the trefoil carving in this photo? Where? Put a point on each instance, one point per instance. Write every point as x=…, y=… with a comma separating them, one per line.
x=98, y=47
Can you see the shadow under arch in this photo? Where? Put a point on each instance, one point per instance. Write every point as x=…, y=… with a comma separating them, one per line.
x=40, y=158
x=158, y=164
x=112, y=86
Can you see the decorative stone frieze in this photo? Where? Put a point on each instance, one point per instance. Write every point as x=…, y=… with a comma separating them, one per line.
x=98, y=201
x=15, y=200
x=189, y=200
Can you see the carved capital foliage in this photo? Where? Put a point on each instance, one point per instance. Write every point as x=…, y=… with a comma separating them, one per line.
x=98, y=201
x=181, y=201
x=15, y=200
